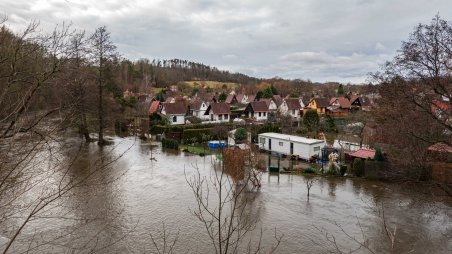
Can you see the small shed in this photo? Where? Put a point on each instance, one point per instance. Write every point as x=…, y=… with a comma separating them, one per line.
x=363, y=153
x=285, y=144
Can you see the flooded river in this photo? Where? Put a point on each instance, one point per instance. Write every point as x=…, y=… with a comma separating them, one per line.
x=145, y=191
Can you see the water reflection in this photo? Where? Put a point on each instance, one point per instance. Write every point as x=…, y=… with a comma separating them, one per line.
x=121, y=205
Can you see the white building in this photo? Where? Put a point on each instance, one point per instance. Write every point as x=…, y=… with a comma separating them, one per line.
x=175, y=112
x=257, y=110
x=285, y=144
x=291, y=107
x=199, y=109
x=218, y=112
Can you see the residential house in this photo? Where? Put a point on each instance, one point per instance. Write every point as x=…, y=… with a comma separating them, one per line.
x=360, y=103
x=339, y=106
x=175, y=112
x=271, y=105
x=231, y=99
x=277, y=99
x=198, y=108
x=318, y=104
x=218, y=112
x=291, y=107
x=257, y=110
x=155, y=107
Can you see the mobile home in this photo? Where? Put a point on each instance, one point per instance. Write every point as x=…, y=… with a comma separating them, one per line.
x=302, y=147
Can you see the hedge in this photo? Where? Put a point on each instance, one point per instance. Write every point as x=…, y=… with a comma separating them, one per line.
x=159, y=129
x=198, y=134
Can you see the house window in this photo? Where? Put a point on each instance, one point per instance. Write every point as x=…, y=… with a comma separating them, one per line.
x=174, y=119
x=317, y=148
x=281, y=143
x=293, y=112
x=265, y=113
x=262, y=140
x=260, y=114
x=226, y=117
x=220, y=117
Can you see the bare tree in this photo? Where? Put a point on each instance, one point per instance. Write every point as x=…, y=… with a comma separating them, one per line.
x=223, y=207
x=309, y=180
x=421, y=78
x=103, y=51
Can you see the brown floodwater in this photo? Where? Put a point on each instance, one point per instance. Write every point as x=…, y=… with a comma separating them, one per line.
x=121, y=209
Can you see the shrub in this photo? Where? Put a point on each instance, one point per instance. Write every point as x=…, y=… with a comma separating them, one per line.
x=358, y=167
x=311, y=120
x=240, y=134
x=378, y=155
x=343, y=169
x=309, y=170
x=198, y=134
x=302, y=130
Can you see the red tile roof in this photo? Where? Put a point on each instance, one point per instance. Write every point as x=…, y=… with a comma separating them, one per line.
x=440, y=147
x=259, y=106
x=293, y=104
x=231, y=99
x=176, y=108
x=219, y=108
x=343, y=102
x=154, y=108
x=363, y=153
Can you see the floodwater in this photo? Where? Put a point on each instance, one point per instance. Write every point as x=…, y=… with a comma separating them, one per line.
x=144, y=191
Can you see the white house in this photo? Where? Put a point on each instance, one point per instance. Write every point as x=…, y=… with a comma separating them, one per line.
x=291, y=107
x=270, y=104
x=218, y=112
x=257, y=110
x=198, y=109
x=175, y=112
x=285, y=144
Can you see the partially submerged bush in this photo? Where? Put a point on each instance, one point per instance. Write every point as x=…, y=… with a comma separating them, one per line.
x=358, y=167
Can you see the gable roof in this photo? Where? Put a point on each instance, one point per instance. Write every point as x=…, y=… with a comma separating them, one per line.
x=277, y=99
x=251, y=98
x=343, y=102
x=240, y=97
x=155, y=107
x=219, y=108
x=321, y=102
x=293, y=104
x=195, y=104
x=231, y=99
x=259, y=106
x=176, y=108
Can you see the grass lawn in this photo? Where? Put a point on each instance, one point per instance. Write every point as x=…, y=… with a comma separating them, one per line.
x=195, y=149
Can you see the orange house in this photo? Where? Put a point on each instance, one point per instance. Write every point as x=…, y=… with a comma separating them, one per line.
x=318, y=104
x=339, y=107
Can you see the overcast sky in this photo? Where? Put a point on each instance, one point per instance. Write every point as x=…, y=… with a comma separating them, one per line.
x=320, y=40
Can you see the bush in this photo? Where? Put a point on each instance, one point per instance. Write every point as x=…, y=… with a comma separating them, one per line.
x=311, y=120
x=358, y=167
x=240, y=134
x=378, y=155
x=343, y=169
x=309, y=170
x=302, y=130
x=200, y=135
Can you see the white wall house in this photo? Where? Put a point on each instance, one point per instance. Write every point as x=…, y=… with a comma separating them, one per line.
x=257, y=110
x=291, y=107
x=305, y=148
x=218, y=112
x=199, y=109
x=175, y=112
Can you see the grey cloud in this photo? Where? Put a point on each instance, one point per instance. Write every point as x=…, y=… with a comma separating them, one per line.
x=312, y=39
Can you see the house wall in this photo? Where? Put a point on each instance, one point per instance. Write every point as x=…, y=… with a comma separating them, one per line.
x=304, y=151
x=272, y=105
x=217, y=118
x=263, y=116
x=180, y=119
